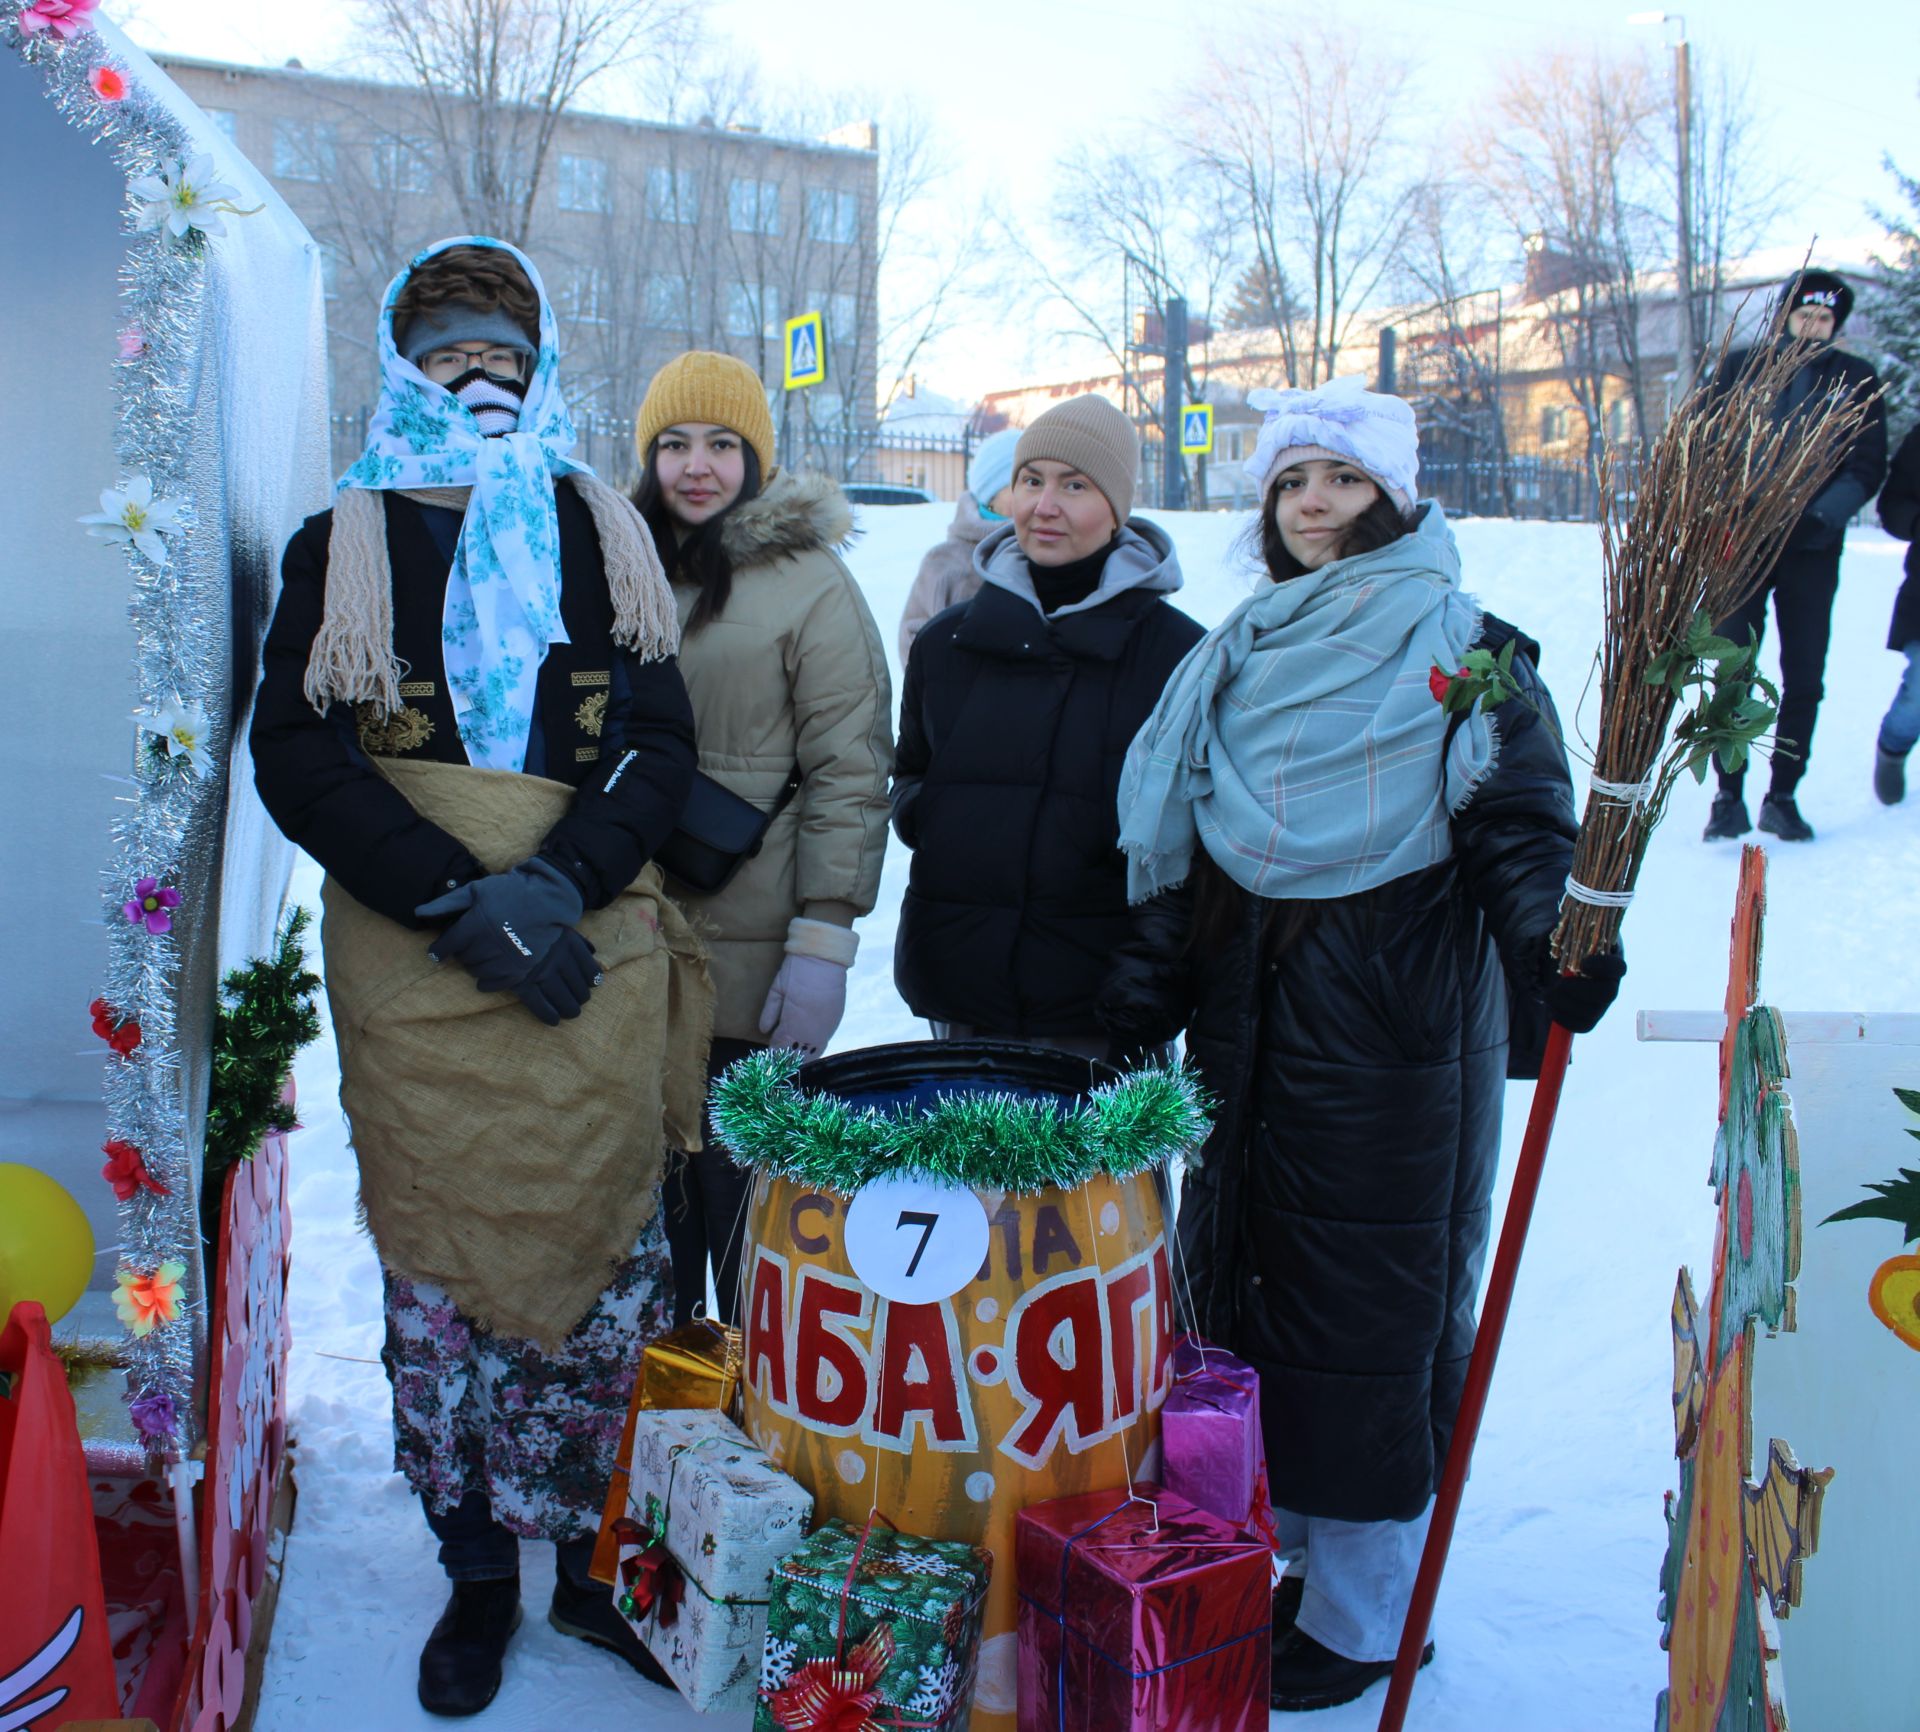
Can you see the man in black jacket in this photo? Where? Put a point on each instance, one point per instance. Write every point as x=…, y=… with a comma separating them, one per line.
x=1900, y=515
x=1017, y=713
x=1803, y=582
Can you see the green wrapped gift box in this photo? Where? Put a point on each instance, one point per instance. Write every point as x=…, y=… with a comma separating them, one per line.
x=905, y=1630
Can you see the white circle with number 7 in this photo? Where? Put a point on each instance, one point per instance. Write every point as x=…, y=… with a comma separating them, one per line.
x=916, y=1241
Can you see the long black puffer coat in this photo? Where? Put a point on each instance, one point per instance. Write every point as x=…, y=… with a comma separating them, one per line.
x=1900, y=515
x=1358, y=1052
x=618, y=730
x=1014, y=726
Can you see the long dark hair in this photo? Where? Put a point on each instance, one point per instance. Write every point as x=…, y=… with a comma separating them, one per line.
x=701, y=557
x=1382, y=522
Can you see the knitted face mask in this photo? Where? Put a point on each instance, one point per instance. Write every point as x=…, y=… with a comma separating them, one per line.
x=494, y=403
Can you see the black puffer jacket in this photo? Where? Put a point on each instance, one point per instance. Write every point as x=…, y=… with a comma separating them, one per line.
x=1358, y=1052
x=1013, y=729
x=1824, y=522
x=617, y=729
x=1900, y=515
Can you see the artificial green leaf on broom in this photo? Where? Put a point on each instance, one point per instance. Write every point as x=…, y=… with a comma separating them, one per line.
x=1714, y=681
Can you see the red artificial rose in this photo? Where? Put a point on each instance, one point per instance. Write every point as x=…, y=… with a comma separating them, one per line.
x=1438, y=679
x=126, y=1170
x=120, y=1033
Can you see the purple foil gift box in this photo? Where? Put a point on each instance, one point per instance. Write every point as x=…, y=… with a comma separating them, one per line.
x=1210, y=1437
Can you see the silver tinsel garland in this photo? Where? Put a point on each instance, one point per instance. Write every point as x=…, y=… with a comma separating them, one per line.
x=174, y=609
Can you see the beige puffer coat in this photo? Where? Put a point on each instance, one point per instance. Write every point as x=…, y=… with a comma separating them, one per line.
x=791, y=672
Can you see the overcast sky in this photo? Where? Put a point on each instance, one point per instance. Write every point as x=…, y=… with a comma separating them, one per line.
x=1011, y=84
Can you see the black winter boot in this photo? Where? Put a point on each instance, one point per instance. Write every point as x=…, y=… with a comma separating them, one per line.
x=1308, y=1676
x=1727, y=819
x=1889, y=776
x=1779, y=816
x=460, y=1665
x=584, y=1609
x=1286, y=1605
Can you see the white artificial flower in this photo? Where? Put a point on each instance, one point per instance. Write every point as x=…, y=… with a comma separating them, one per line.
x=185, y=730
x=187, y=197
x=133, y=514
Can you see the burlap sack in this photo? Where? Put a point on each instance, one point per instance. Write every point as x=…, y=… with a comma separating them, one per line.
x=511, y=1163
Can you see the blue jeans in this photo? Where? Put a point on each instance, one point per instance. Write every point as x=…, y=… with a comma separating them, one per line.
x=1901, y=727
x=476, y=1548
x=1359, y=1580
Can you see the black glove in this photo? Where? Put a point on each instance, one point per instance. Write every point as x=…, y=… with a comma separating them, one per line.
x=1578, y=1001
x=558, y=987
x=504, y=925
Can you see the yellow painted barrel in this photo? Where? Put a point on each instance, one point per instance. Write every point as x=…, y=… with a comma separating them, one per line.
x=1041, y=1377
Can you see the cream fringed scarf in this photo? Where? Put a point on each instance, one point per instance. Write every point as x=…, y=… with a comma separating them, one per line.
x=352, y=660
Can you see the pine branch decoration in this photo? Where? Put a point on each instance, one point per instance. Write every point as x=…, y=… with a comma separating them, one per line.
x=983, y=1141
x=265, y=1017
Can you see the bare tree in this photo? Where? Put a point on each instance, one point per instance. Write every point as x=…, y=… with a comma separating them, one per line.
x=1570, y=157
x=498, y=75
x=1297, y=130
x=1737, y=194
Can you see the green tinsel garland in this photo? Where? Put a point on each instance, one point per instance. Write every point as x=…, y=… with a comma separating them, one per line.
x=984, y=1142
x=266, y=1015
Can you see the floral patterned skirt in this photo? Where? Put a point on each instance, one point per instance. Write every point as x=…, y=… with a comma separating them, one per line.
x=536, y=1431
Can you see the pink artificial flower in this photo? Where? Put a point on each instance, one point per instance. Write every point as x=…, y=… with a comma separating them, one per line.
x=152, y=905
x=107, y=84
x=65, y=18
x=133, y=342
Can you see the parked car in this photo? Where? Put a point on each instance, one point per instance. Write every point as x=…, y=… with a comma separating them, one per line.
x=885, y=493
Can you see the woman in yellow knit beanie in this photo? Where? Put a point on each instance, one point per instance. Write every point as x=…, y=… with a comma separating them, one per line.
x=792, y=712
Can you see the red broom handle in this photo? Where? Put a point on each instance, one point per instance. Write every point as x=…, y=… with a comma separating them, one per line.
x=1473, y=1398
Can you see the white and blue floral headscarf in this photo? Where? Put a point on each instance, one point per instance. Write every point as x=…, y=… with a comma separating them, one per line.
x=503, y=595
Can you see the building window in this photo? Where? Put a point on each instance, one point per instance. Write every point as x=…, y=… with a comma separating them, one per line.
x=223, y=119
x=753, y=207
x=1554, y=420
x=583, y=183
x=584, y=297
x=1619, y=420
x=843, y=318
x=303, y=150
x=329, y=269
x=669, y=305
x=753, y=310
x=673, y=196
x=833, y=216
x=403, y=164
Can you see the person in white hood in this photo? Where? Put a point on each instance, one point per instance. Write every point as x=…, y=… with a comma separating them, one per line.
x=1018, y=708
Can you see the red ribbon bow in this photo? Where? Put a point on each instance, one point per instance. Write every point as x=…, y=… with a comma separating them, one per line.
x=656, y=1584
x=838, y=1695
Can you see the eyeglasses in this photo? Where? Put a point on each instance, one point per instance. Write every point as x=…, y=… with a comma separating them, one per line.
x=497, y=362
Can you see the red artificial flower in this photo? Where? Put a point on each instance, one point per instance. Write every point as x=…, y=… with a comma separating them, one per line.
x=107, y=84
x=126, y=1170
x=121, y=1033
x=1438, y=679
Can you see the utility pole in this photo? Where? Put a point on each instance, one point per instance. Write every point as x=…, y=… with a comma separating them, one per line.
x=1685, y=346
x=1389, y=367
x=1173, y=401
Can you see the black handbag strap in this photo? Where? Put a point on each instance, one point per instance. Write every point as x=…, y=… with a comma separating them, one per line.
x=787, y=791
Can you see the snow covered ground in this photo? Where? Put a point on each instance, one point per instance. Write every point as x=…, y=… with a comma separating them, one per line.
x=1546, y=1620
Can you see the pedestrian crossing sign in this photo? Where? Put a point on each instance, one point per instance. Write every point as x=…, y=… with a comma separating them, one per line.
x=1196, y=430
x=806, y=351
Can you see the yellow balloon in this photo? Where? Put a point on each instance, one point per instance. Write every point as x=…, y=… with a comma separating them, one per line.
x=46, y=1246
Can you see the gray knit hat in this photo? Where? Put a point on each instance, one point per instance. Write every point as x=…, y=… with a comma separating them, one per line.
x=1088, y=434
x=457, y=323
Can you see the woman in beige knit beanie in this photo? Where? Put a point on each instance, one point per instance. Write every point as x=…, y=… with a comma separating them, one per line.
x=1018, y=708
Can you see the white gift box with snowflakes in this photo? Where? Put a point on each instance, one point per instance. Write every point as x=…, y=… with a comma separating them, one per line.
x=726, y=1517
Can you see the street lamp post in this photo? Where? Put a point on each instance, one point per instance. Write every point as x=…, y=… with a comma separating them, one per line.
x=1684, y=344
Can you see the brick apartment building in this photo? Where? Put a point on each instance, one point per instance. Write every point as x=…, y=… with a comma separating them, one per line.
x=651, y=238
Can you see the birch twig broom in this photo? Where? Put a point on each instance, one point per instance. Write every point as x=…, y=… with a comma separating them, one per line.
x=1719, y=494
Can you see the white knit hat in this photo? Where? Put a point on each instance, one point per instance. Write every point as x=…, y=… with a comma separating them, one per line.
x=1343, y=422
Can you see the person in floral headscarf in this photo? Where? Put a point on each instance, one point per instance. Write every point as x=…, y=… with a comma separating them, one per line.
x=462, y=635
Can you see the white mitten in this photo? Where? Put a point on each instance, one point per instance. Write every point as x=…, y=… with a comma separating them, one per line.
x=809, y=994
